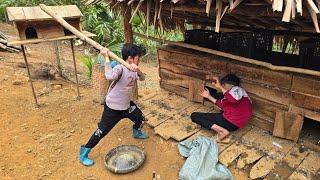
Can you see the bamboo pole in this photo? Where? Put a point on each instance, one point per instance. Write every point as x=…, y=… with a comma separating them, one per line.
x=77, y=33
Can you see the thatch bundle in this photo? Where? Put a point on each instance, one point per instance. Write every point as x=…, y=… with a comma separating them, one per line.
x=296, y=15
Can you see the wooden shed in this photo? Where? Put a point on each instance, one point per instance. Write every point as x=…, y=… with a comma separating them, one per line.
x=33, y=25
x=282, y=94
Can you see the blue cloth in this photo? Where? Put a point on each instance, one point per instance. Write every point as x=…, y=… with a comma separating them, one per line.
x=101, y=61
x=202, y=161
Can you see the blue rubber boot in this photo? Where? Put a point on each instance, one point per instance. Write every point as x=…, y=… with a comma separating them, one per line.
x=83, y=156
x=139, y=134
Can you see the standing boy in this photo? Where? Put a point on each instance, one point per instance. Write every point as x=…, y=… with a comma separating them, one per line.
x=118, y=105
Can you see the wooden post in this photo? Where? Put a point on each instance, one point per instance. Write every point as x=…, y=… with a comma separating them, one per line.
x=58, y=57
x=75, y=69
x=30, y=79
x=128, y=35
x=127, y=26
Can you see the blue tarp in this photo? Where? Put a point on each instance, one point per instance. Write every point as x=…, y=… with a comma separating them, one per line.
x=202, y=161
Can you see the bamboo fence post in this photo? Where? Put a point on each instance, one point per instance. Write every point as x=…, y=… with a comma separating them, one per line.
x=75, y=69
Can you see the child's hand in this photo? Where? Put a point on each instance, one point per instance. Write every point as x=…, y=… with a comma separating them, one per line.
x=133, y=67
x=205, y=93
x=105, y=53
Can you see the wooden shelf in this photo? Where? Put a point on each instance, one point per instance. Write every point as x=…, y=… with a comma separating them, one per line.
x=32, y=41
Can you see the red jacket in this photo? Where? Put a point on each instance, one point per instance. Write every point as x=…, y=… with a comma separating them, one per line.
x=236, y=106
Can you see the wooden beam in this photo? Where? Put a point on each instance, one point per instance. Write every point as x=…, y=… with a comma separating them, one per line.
x=248, y=60
x=128, y=36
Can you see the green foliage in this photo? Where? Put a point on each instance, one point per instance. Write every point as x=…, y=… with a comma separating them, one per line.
x=106, y=24
x=88, y=62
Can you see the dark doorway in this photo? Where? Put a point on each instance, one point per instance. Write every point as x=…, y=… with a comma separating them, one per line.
x=31, y=33
x=67, y=32
x=311, y=131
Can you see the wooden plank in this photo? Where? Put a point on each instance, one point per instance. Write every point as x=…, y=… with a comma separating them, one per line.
x=262, y=121
x=275, y=95
x=305, y=112
x=189, y=110
x=231, y=153
x=175, y=79
x=288, y=125
x=184, y=92
x=308, y=168
x=195, y=86
x=207, y=63
x=228, y=56
x=265, y=106
x=248, y=156
x=184, y=70
x=261, y=75
x=32, y=41
x=288, y=165
x=306, y=85
x=166, y=110
x=306, y=101
x=35, y=13
x=262, y=167
x=179, y=128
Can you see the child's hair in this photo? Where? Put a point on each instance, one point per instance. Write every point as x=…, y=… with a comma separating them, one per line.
x=130, y=49
x=230, y=79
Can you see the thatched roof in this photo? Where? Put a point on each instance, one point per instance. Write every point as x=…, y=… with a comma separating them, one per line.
x=294, y=15
x=35, y=13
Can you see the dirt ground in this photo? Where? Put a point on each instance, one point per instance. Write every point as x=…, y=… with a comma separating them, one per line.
x=43, y=143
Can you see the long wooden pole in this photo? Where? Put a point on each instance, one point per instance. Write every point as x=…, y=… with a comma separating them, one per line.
x=75, y=69
x=60, y=20
x=30, y=79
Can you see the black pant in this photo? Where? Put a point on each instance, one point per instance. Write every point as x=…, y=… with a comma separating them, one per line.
x=206, y=120
x=111, y=117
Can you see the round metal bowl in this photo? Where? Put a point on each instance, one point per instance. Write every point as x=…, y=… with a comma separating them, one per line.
x=124, y=159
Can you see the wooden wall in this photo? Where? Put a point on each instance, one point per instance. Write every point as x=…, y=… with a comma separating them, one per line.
x=270, y=91
x=45, y=29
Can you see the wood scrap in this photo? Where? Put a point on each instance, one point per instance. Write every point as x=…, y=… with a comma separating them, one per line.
x=4, y=44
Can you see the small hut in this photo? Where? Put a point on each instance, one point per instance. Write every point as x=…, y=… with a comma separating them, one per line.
x=34, y=26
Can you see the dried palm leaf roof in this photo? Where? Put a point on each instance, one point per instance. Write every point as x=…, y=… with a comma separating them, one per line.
x=294, y=15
